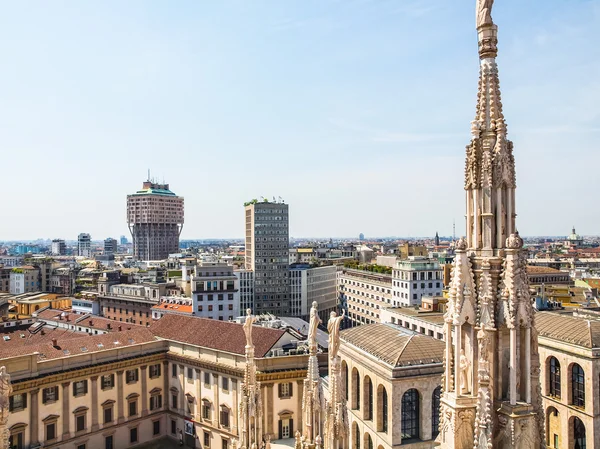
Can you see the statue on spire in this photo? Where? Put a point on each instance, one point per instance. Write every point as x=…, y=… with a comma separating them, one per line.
x=484, y=13
x=250, y=319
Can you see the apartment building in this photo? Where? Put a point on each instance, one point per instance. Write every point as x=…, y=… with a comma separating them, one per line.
x=414, y=278
x=363, y=294
x=215, y=292
x=24, y=279
x=246, y=284
x=267, y=255
x=179, y=380
x=131, y=303
x=308, y=285
x=110, y=246
x=58, y=247
x=155, y=218
x=84, y=245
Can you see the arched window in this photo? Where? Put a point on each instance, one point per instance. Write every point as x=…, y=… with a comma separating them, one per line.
x=410, y=415
x=356, y=436
x=355, y=399
x=368, y=399
x=578, y=385
x=384, y=411
x=345, y=375
x=554, y=377
x=368, y=441
x=578, y=433
x=435, y=411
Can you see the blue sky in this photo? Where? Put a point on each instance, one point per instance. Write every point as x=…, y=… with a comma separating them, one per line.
x=355, y=112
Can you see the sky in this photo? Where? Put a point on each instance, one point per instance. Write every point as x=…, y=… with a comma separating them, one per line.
x=355, y=112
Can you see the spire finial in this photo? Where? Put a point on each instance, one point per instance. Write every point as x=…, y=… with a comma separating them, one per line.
x=486, y=30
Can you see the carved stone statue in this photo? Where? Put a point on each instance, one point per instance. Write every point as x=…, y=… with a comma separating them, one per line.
x=333, y=326
x=250, y=319
x=484, y=12
x=314, y=324
x=465, y=378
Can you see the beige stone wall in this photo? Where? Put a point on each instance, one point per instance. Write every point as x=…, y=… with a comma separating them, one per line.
x=560, y=411
x=396, y=382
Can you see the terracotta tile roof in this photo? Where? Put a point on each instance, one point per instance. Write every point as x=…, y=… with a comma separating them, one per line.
x=173, y=308
x=77, y=344
x=533, y=269
x=215, y=334
x=97, y=322
x=594, y=283
x=569, y=329
x=395, y=346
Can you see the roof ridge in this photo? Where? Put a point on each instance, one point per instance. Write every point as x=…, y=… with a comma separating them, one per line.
x=403, y=349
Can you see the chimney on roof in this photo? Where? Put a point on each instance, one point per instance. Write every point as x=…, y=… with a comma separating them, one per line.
x=108, y=325
x=55, y=343
x=120, y=328
x=91, y=322
x=43, y=332
x=60, y=317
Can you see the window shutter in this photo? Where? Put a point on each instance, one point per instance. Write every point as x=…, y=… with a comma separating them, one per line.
x=11, y=403
x=85, y=390
x=279, y=388
x=112, y=380
x=291, y=426
x=74, y=389
x=291, y=394
x=24, y=400
x=280, y=429
x=56, y=392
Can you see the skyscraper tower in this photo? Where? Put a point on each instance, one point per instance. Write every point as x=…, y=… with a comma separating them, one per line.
x=268, y=256
x=84, y=245
x=492, y=396
x=155, y=220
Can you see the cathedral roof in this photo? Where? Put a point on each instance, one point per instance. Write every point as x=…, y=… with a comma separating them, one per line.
x=569, y=329
x=395, y=346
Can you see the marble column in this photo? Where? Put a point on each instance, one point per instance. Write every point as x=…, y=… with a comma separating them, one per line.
x=66, y=412
x=94, y=389
x=217, y=417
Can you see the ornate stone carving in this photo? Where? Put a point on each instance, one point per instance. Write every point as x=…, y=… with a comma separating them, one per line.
x=5, y=392
x=484, y=12
x=514, y=241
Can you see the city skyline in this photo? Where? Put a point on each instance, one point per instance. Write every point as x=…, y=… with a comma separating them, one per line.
x=321, y=104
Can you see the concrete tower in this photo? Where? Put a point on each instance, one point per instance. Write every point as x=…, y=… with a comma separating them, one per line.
x=492, y=396
x=155, y=220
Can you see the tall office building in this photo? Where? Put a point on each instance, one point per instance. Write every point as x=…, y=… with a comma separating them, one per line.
x=267, y=255
x=110, y=246
x=155, y=220
x=124, y=240
x=84, y=245
x=59, y=247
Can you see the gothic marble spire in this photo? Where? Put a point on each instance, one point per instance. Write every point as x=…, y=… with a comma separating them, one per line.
x=313, y=403
x=491, y=365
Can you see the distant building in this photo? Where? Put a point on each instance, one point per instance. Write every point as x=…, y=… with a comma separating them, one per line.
x=415, y=278
x=361, y=236
x=24, y=279
x=59, y=247
x=267, y=255
x=437, y=239
x=11, y=261
x=246, y=284
x=574, y=240
x=124, y=240
x=84, y=245
x=110, y=246
x=363, y=294
x=5, y=279
x=308, y=285
x=155, y=220
x=407, y=250
x=215, y=292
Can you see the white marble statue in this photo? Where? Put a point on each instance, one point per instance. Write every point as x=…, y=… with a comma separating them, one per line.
x=465, y=366
x=484, y=12
x=250, y=319
x=333, y=326
x=313, y=324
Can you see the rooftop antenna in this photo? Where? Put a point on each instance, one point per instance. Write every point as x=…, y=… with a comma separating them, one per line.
x=454, y=230
x=148, y=175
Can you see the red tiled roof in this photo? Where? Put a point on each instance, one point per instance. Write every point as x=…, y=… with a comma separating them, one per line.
x=76, y=345
x=215, y=334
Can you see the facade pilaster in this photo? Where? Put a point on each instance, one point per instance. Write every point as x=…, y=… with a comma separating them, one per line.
x=66, y=412
x=94, y=388
x=34, y=417
x=145, y=402
x=120, y=398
